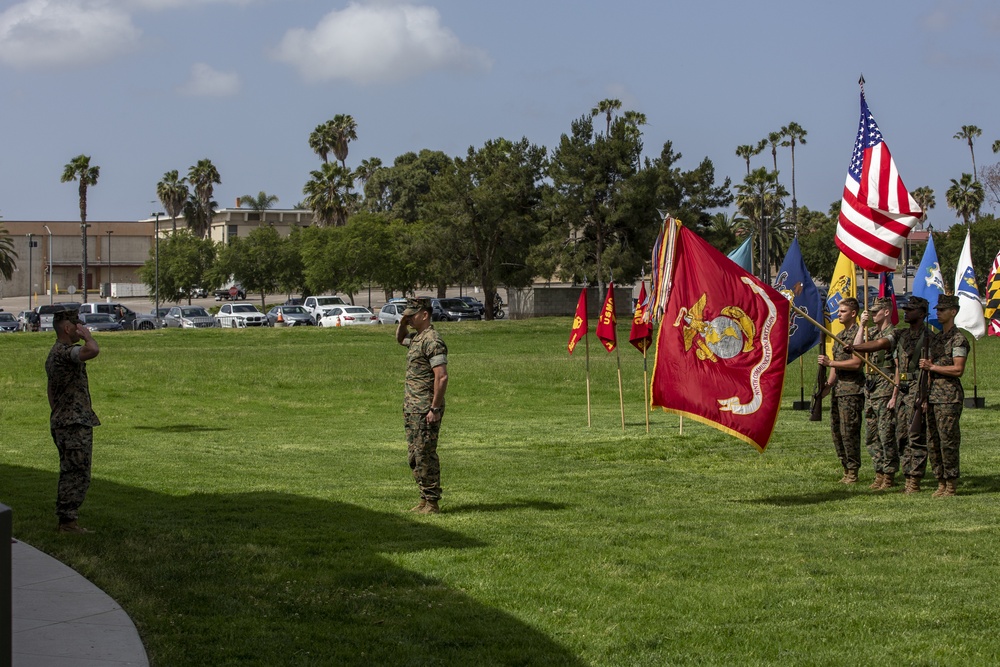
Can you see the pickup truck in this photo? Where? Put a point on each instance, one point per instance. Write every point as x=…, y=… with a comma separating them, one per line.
x=129, y=319
x=318, y=305
x=224, y=295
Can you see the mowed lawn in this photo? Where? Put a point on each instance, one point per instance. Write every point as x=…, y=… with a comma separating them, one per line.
x=250, y=494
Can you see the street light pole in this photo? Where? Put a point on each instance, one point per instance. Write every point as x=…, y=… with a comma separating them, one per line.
x=31, y=243
x=109, y=261
x=83, y=264
x=50, y=262
x=157, y=255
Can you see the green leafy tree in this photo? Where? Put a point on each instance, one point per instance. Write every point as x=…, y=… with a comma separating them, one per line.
x=816, y=240
x=259, y=203
x=203, y=177
x=747, y=151
x=949, y=245
x=491, y=202
x=186, y=261
x=969, y=133
x=760, y=198
x=400, y=190
x=79, y=169
x=172, y=191
x=253, y=260
x=966, y=197
x=7, y=254
x=793, y=133
x=328, y=194
x=291, y=276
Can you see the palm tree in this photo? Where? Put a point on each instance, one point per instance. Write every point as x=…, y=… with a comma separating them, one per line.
x=328, y=194
x=321, y=140
x=606, y=107
x=172, y=191
x=7, y=255
x=924, y=196
x=367, y=169
x=996, y=146
x=746, y=151
x=79, y=169
x=260, y=203
x=793, y=132
x=966, y=197
x=760, y=198
x=345, y=130
x=774, y=140
x=970, y=132
x=204, y=177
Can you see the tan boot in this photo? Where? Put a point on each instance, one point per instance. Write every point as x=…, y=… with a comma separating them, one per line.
x=430, y=507
x=949, y=488
x=912, y=485
x=72, y=527
x=879, y=480
x=850, y=478
x=843, y=479
x=888, y=481
x=419, y=506
x=942, y=486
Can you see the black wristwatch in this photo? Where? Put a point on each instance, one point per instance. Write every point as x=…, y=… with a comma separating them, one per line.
x=436, y=410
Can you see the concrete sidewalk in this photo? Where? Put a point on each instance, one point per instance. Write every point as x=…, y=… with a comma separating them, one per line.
x=60, y=619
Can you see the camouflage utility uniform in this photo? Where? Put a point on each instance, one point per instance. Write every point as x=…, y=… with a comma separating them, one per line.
x=944, y=405
x=72, y=421
x=880, y=419
x=426, y=351
x=847, y=405
x=912, y=447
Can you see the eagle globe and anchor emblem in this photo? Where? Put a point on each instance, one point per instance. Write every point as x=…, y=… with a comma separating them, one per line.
x=731, y=334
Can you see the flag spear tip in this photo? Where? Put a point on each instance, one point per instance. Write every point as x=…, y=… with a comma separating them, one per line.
x=861, y=80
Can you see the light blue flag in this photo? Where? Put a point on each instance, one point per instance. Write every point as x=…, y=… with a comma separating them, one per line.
x=794, y=281
x=743, y=255
x=928, y=283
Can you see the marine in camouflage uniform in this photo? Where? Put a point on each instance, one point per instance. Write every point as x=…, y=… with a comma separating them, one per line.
x=72, y=420
x=848, y=384
x=423, y=401
x=948, y=352
x=909, y=347
x=880, y=417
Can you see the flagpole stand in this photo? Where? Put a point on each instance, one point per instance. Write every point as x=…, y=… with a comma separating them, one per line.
x=802, y=403
x=975, y=401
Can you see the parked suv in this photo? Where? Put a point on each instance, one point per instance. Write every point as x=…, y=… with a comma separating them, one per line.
x=241, y=315
x=318, y=305
x=129, y=319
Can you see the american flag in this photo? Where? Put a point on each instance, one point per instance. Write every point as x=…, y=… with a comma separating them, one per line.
x=877, y=213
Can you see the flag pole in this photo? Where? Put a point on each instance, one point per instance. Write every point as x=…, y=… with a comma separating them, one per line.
x=645, y=383
x=822, y=328
x=586, y=347
x=621, y=396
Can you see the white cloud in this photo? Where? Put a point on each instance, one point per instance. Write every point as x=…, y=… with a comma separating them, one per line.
x=56, y=33
x=376, y=43
x=206, y=81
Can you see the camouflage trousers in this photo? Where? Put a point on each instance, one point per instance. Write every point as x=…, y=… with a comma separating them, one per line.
x=421, y=446
x=880, y=435
x=75, y=444
x=943, y=438
x=912, y=447
x=845, y=424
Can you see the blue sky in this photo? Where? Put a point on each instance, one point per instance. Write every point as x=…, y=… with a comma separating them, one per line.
x=146, y=86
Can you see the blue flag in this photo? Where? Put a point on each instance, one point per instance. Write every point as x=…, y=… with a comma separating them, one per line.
x=928, y=283
x=794, y=282
x=743, y=255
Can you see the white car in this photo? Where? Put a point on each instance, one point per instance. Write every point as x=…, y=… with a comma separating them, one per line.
x=392, y=312
x=317, y=305
x=189, y=317
x=240, y=315
x=344, y=316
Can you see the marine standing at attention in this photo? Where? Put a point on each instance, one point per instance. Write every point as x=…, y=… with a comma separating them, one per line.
x=72, y=420
x=848, y=385
x=909, y=346
x=423, y=400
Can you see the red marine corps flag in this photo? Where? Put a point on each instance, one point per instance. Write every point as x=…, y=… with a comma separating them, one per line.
x=579, y=322
x=641, y=335
x=722, y=343
x=606, y=321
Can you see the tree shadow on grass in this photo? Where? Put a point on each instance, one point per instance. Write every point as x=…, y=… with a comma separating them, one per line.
x=181, y=428
x=833, y=495
x=266, y=578
x=976, y=484
x=540, y=505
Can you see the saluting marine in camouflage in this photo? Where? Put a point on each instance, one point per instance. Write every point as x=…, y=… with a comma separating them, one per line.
x=909, y=346
x=949, y=350
x=423, y=402
x=72, y=419
x=880, y=417
x=848, y=383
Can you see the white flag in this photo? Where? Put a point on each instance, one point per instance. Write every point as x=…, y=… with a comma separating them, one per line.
x=970, y=313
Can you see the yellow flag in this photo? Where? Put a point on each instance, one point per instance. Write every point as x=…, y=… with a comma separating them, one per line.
x=842, y=285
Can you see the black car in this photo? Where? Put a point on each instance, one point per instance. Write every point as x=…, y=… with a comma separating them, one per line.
x=474, y=303
x=454, y=310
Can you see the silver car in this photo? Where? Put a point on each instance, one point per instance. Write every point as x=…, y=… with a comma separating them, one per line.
x=189, y=317
x=290, y=316
x=8, y=323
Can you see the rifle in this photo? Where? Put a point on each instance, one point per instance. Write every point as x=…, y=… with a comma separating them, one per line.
x=816, y=408
x=923, y=388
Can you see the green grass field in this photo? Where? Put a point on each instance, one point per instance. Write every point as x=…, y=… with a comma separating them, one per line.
x=250, y=494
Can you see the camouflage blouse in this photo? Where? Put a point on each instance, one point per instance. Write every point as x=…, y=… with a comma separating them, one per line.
x=883, y=359
x=69, y=390
x=944, y=348
x=848, y=382
x=426, y=351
